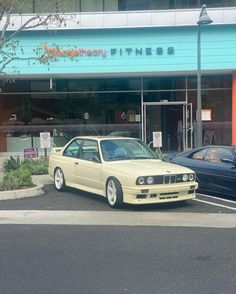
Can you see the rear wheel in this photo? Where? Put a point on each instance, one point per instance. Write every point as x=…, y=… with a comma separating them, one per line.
x=59, y=180
x=114, y=193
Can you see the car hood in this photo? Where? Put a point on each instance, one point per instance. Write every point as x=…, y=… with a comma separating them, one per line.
x=149, y=167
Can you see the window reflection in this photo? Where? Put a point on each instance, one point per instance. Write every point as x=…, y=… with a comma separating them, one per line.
x=164, y=83
x=103, y=106
x=116, y=5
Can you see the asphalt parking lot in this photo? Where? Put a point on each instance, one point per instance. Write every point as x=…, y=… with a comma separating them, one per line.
x=73, y=199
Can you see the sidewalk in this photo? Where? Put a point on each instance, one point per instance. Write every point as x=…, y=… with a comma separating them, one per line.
x=39, y=181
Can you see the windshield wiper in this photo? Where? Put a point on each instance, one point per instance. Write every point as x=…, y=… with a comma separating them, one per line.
x=142, y=157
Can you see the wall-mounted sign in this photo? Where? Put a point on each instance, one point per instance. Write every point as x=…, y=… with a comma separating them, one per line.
x=206, y=114
x=55, y=52
x=142, y=51
x=45, y=140
x=123, y=115
x=157, y=139
x=86, y=115
x=30, y=153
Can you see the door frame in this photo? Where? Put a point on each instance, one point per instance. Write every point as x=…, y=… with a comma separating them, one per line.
x=187, y=121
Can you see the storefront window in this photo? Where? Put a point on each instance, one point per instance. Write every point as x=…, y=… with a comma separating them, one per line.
x=134, y=4
x=24, y=6
x=164, y=83
x=15, y=86
x=82, y=85
x=103, y=106
x=185, y=4
x=27, y=6
x=165, y=96
x=103, y=114
x=214, y=3
x=45, y=6
x=211, y=82
x=110, y=5
x=91, y=5
x=219, y=119
x=97, y=85
x=123, y=84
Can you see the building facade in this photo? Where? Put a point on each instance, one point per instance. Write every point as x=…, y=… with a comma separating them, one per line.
x=122, y=68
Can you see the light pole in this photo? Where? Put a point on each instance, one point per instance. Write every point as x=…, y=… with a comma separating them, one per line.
x=204, y=19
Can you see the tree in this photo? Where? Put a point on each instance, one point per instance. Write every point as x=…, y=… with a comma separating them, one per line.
x=8, y=43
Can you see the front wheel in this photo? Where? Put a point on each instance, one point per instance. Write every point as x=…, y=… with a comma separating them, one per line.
x=114, y=193
x=59, y=180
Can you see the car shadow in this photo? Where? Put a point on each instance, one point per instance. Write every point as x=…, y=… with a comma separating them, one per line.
x=101, y=202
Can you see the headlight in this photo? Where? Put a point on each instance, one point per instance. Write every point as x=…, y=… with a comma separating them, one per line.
x=150, y=180
x=191, y=177
x=185, y=178
x=141, y=180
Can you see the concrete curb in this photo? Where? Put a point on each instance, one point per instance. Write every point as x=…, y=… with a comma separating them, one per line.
x=39, y=182
x=22, y=193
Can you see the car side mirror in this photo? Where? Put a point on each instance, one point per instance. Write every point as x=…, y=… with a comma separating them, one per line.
x=228, y=160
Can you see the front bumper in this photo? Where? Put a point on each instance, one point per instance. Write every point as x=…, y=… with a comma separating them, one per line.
x=149, y=194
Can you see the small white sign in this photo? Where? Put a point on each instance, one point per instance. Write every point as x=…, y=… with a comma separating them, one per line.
x=206, y=114
x=123, y=115
x=157, y=139
x=45, y=140
x=86, y=115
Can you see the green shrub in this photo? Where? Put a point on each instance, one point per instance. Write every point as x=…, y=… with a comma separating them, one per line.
x=17, y=179
x=36, y=166
x=18, y=173
x=1, y=187
x=11, y=164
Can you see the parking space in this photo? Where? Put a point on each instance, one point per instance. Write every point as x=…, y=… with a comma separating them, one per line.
x=81, y=201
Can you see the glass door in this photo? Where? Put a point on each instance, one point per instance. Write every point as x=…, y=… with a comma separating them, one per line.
x=171, y=123
x=188, y=126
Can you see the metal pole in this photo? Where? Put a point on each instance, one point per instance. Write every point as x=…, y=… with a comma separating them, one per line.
x=199, y=90
x=204, y=19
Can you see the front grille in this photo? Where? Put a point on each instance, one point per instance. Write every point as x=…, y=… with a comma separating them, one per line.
x=165, y=179
x=168, y=179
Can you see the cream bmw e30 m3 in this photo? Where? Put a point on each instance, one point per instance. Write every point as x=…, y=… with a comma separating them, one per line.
x=124, y=170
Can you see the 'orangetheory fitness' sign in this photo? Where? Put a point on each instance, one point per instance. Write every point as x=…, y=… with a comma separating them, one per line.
x=55, y=52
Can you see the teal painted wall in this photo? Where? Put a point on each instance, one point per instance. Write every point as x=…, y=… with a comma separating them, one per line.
x=218, y=50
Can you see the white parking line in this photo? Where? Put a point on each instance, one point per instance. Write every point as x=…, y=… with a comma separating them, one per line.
x=215, y=204
x=217, y=198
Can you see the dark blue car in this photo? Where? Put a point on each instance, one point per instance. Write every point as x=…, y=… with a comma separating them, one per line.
x=215, y=167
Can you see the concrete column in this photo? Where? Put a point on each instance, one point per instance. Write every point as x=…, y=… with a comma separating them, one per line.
x=234, y=109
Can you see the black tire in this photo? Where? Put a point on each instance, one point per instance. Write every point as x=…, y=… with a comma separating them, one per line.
x=59, y=180
x=114, y=193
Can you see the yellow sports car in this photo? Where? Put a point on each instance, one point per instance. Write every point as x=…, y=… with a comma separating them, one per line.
x=124, y=170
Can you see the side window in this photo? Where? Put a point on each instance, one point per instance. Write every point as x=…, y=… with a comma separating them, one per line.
x=199, y=155
x=213, y=155
x=72, y=149
x=225, y=153
x=89, y=151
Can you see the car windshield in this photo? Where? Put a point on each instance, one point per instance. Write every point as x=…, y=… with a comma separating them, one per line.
x=125, y=149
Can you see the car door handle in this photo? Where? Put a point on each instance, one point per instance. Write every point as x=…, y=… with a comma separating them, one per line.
x=76, y=163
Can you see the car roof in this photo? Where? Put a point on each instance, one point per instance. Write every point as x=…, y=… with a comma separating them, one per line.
x=214, y=146
x=219, y=146
x=190, y=151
